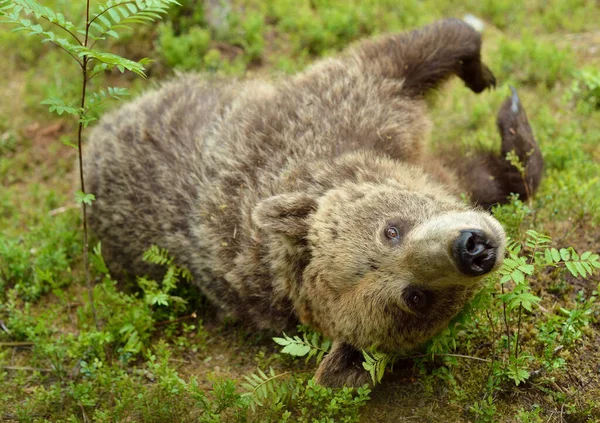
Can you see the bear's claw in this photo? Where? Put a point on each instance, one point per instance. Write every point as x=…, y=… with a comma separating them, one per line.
x=515, y=101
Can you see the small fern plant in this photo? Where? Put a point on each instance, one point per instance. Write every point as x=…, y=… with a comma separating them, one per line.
x=80, y=41
x=160, y=294
x=262, y=385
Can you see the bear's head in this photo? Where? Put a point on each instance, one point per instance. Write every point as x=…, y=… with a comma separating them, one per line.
x=388, y=263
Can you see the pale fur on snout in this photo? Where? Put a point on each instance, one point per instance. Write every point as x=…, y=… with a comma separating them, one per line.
x=431, y=244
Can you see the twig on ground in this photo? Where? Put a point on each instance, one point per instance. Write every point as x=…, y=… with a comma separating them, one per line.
x=62, y=209
x=16, y=344
x=470, y=357
x=166, y=322
x=26, y=369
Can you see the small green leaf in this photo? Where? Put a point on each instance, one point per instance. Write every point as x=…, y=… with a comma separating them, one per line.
x=517, y=276
x=87, y=198
x=527, y=269
x=571, y=267
x=580, y=269
x=297, y=350
x=588, y=268
x=59, y=107
x=555, y=255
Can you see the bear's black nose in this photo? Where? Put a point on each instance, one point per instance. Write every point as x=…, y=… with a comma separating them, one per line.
x=473, y=253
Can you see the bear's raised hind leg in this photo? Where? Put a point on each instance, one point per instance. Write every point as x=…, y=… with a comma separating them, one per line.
x=491, y=178
x=425, y=57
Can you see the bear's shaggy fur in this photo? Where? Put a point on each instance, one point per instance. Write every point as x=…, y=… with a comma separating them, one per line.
x=280, y=197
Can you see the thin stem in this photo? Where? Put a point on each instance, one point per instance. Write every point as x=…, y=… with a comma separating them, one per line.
x=95, y=73
x=269, y=380
x=65, y=29
x=506, y=323
x=493, y=328
x=166, y=322
x=104, y=11
x=97, y=39
x=88, y=280
x=470, y=357
x=16, y=344
x=527, y=190
x=26, y=369
x=87, y=22
x=577, y=391
x=518, y=331
x=59, y=46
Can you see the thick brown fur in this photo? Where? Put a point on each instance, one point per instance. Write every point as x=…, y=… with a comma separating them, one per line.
x=277, y=196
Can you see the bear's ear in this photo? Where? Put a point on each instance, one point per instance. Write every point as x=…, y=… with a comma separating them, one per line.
x=286, y=213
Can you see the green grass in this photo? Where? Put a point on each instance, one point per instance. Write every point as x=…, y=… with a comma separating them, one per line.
x=158, y=358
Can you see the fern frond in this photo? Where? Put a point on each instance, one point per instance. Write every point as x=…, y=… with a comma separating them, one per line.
x=376, y=364
x=157, y=255
x=293, y=346
x=583, y=266
x=119, y=14
x=6, y=5
x=115, y=93
x=32, y=7
x=112, y=60
x=514, y=269
x=13, y=16
x=304, y=347
x=59, y=107
x=97, y=260
x=185, y=274
x=153, y=293
x=262, y=386
x=536, y=240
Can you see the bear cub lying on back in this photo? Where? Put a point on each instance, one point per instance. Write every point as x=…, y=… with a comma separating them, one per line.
x=313, y=199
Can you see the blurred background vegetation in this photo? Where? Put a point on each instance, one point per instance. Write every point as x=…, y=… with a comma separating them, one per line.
x=156, y=363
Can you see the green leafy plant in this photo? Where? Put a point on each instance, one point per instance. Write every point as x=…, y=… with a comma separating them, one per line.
x=297, y=398
x=376, y=363
x=80, y=43
x=309, y=346
x=586, y=88
x=302, y=400
x=261, y=386
x=485, y=410
x=530, y=61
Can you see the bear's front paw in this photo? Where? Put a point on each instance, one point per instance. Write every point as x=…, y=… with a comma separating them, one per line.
x=477, y=75
x=342, y=367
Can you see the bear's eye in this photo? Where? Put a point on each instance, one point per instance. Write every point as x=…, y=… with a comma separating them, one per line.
x=392, y=233
x=417, y=299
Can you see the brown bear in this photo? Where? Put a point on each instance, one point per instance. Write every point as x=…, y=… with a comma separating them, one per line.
x=312, y=199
